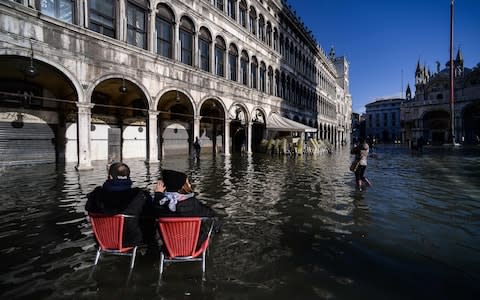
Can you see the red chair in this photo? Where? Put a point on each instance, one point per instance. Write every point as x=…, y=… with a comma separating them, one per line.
x=180, y=238
x=108, y=231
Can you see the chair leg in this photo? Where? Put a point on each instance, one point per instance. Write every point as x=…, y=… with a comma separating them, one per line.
x=162, y=257
x=133, y=257
x=203, y=266
x=98, y=256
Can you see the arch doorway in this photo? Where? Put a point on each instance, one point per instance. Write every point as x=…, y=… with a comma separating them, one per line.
x=258, y=129
x=175, y=123
x=436, y=126
x=212, y=125
x=238, y=132
x=471, y=123
x=37, y=100
x=119, y=121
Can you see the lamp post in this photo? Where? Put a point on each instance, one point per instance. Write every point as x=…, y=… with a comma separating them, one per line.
x=452, y=77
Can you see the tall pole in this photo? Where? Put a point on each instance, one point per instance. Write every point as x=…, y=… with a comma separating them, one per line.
x=452, y=77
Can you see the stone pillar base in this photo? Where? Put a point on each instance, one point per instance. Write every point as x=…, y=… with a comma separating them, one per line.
x=82, y=167
x=152, y=161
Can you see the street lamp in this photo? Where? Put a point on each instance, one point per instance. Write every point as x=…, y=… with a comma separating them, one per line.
x=123, y=89
x=30, y=70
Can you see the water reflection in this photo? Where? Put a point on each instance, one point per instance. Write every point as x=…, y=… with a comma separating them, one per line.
x=293, y=228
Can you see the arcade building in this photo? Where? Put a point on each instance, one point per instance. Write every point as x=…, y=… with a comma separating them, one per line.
x=87, y=80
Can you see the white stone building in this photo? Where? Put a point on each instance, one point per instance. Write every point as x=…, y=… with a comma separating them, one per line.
x=84, y=80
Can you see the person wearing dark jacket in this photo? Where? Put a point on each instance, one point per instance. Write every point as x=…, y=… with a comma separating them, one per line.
x=174, y=197
x=116, y=196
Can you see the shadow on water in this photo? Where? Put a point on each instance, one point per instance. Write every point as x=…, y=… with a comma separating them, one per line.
x=294, y=228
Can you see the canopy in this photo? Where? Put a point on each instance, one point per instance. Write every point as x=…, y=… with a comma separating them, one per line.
x=279, y=123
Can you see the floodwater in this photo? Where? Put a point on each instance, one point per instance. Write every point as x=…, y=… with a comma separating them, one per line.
x=294, y=228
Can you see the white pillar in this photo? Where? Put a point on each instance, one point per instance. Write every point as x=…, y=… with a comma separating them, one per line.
x=176, y=44
x=249, y=137
x=196, y=53
x=152, y=137
x=83, y=136
x=226, y=142
x=212, y=58
x=152, y=32
x=196, y=127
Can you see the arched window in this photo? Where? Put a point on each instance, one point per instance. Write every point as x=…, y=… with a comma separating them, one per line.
x=233, y=62
x=254, y=72
x=286, y=54
x=137, y=23
x=291, y=59
x=275, y=39
x=243, y=13
x=270, y=81
x=219, y=4
x=261, y=28
x=204, y=44
x=102, y=17
x=269, y=34
x=263, y=71
x=281, y=44
x=252, y=21
x=282, y=90
x=186, y=41
x=244, y=68
x=60, y=9
x=164, y=26
x=220, y=49
x=231, y=9
x=277, y=83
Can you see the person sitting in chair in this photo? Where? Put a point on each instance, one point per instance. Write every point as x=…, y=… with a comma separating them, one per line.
x=174, y=197
x=116, y=196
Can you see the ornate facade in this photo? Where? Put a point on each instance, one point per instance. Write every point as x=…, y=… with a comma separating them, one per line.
x=85, y=80
x=428, y=114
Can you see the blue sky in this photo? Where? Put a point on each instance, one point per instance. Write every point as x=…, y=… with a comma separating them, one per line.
x=384, y=38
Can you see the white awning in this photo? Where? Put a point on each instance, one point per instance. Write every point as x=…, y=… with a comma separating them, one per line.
x=279, y=123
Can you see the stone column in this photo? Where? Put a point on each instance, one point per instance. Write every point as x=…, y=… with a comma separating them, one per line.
x=226, y=142
x=152, y=32
x=212, y=58
x=196, y=53
x=176, y=42
x=239, y=61
x=152, y=137
x=83, y=136
x=196, y=127
x=249, y=137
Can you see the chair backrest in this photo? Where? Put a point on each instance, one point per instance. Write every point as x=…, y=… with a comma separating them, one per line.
x=180, y=235
x=108, y=230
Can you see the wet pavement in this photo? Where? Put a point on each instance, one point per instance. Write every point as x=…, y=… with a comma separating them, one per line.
x=294, y=228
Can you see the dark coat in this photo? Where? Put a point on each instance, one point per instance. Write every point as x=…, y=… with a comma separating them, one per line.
x=131, y=201
x=190, y=207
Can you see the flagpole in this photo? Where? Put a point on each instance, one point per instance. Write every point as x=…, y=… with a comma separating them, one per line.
x=452, y=77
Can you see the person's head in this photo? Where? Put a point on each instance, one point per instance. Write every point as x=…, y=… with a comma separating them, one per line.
x=118, y=170
x=176, y=181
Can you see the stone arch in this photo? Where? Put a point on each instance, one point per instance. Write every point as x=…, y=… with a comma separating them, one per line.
x=471, y=123
x=118, y=118
x=39, y=98
x=212, y=114
x=435, y=124
x=259, y=127
x=239, y=116
x=175, y=121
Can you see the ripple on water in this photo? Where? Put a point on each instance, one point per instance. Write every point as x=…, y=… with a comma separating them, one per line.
x=292, y=227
